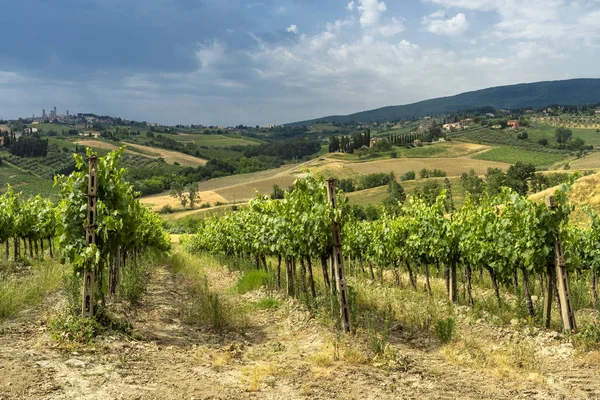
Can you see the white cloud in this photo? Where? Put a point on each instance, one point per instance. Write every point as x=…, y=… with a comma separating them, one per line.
x=436, y=23
x=210, y=54
x=350, y=6
x=292, y=28
x=370, y=11
x=564, y=20
x=393, y=28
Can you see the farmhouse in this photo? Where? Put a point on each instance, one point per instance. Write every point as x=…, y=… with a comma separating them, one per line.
x=513, y=123
x=1, y=141
x=598, y=111
x=496, y=126
x=30, y=130
x=452, y=127
x=418, y=142
x=467, y=121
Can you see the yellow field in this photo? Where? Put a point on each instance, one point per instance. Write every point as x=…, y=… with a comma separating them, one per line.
x=172, y=156
x=156, y=202
x=452, y=166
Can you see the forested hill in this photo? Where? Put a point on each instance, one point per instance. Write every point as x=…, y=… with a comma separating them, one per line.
x=526, y=95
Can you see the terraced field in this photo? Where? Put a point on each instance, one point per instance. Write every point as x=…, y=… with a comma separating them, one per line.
x=592, y=161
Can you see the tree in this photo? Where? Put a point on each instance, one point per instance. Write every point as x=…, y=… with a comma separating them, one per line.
x=472, y=184
x=277, y=192
x=495, y=179
x=563, y=135
x=177, y=189
x=396, y=195
x=518, y=176
x=193, y=195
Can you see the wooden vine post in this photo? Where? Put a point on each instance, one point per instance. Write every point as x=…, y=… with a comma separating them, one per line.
x=338, y=262
x=562, y=284
x=87, y=307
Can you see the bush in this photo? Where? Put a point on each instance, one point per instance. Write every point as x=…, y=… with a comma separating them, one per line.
x=394, y=154
x=204, y=205
x=166, y=209
x=588, y=337
x=444, y=329
x=543, y=142
x=408, y=176
x=74, y=329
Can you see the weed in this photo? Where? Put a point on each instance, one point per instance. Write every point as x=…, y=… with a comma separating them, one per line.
x=252, y=280
x=444, y=329
x=266, y=303
x=18, y=292
x=588, y=336
x=69, y=328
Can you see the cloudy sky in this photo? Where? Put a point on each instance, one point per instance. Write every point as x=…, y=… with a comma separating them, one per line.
x=273, y=61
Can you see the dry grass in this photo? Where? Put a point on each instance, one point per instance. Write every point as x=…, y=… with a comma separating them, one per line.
x=503, y=360
x=172, y=156
x=158, y=201
x=452, y=166
x=589, y=162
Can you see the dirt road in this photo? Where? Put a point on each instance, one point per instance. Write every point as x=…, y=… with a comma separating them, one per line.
x=278, y=356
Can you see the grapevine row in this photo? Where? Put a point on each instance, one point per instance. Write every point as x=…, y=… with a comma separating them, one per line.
x=502, y=236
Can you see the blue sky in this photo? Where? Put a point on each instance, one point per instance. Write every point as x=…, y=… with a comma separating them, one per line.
x=228, y=62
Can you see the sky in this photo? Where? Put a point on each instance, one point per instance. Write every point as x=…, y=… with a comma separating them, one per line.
x=230, y=62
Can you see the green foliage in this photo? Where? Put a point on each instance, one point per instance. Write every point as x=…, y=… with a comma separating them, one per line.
x=563, y=135
x=434, y=173
x=513, y=155
x=69, y=328
x=252, y=280
x=408, y=176
x=277, y=192
x=588, y=336
x=444, y=329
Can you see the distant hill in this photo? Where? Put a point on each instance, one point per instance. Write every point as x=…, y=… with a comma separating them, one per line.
x=525, y=95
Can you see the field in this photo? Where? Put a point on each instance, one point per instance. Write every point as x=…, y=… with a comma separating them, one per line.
x=590, y=161
x=216, y=140
x=157, y=202
x=452, y=166
x=25, y=182
x=513, y=154
x=435, y=150
x=378, y=194
x=171, y=157
x=240, y=188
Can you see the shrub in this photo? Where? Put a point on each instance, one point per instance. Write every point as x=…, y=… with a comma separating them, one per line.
x=166, y=209
x=204, y=205
x=408, y=176
x=444, y=329
x=589, y=335
x=74, y=329
x=394, y=154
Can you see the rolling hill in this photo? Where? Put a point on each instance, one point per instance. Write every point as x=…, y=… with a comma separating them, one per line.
x=525, y=95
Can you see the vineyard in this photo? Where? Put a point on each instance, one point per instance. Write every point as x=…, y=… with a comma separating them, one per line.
x=509, y=238
x=124, y=228
x=296, y=298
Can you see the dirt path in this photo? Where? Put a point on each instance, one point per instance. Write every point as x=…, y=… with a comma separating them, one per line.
x=279, y=355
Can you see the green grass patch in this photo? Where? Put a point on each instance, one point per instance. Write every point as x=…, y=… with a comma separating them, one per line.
x=252, y=280
x=266, y=303
x=511, y=155
x=19, y=291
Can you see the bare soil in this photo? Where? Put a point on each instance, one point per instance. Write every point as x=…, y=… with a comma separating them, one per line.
x=275, y=357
